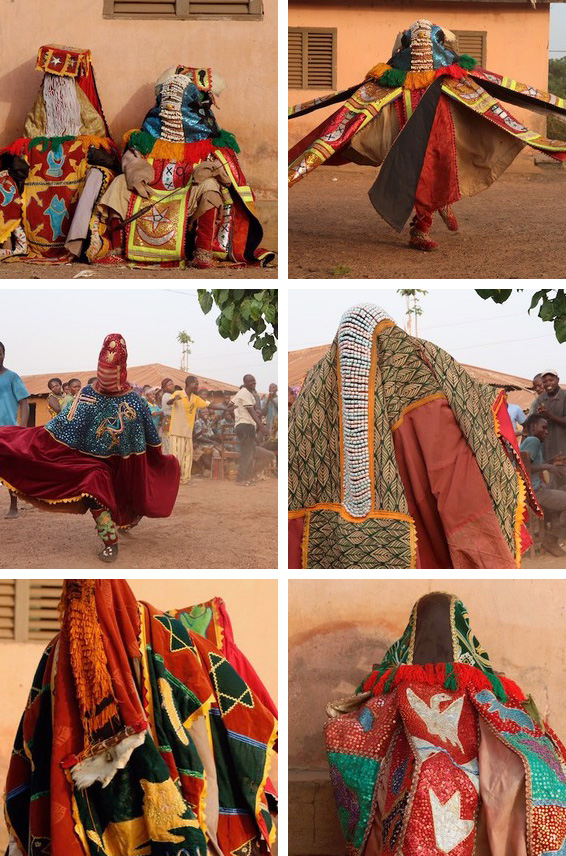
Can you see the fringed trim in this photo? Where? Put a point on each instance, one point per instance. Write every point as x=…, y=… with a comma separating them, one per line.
x=452, y=676
x=520, y=516
x=391, y=77
x=21, y=146
x=194, y=152
x=93, y=684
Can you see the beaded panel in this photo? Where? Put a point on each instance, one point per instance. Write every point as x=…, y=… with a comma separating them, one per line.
x=355, y=348
x=373, y=543
x=314, y=438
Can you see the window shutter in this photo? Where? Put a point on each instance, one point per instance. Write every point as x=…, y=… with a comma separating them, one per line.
x=295, y=51
x=472, y=43
x=320, y=56
x=43, y=612
x=7, y=608
x=312, y=58
x=180, y=8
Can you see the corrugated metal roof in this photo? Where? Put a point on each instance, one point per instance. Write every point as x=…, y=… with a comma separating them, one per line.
x=152, y=373
x=302, y=360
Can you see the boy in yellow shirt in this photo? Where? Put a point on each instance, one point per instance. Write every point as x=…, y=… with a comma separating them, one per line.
x=183, y=414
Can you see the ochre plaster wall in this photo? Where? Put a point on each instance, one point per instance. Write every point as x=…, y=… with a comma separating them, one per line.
x=517, y=42
x=339, y=629
x=129, y=56
x=251, y=605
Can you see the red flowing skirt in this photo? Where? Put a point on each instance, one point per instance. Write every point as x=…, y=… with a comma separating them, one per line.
x=58, y=478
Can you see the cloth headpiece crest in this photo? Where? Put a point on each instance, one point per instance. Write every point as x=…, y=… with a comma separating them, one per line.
x=112, y=374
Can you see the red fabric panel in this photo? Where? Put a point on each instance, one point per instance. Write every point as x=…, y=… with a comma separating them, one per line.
x=40, y=468
x=438, y=182
x=239, y=660
x=295, y=543
x=447, y=495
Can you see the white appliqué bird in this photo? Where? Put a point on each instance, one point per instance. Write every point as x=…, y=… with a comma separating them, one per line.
x=443, y=723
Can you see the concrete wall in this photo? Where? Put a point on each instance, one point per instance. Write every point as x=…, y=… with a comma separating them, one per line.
x=517, y=42
x=252, y=607
x=128, y=57
x=339, y=629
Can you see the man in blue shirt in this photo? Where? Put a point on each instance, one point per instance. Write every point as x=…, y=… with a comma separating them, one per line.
x=553, y=502
x=13, y=403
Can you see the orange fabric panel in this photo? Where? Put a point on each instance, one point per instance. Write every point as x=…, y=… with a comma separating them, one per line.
x=447, y=495
x=438, y=182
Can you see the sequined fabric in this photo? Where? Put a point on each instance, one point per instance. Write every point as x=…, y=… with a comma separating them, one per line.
x=101, y=425
x=405, y=755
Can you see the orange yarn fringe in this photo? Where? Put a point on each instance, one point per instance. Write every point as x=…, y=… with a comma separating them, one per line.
x=89, y=665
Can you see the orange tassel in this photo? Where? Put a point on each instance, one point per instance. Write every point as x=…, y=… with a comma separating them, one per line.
x=89, y=665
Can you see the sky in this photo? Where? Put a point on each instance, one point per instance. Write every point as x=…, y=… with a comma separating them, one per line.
x=479, y=333
x=61, y=331
x=557, y=42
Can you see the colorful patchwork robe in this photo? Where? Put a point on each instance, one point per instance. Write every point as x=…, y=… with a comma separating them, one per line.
x=44, y=198
x=196, y=781
x=399, y=459
x=101, y=447
x=440, y=134
x=445, y=758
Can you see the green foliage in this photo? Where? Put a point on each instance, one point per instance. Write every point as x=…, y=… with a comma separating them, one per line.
x=241, y=310
x=552, y=305
x=555, y=127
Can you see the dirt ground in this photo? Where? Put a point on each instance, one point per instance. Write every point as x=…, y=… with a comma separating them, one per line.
x=215, y=524
x=545, y=562
x=266, y=212
x=515, y=229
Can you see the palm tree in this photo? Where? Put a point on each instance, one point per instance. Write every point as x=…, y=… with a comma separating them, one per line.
x=185, y=340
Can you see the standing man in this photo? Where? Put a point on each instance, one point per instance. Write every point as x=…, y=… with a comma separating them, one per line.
x=270, y=407
x=553, y=502
x=247, y=422
x=184, y=406
x=14, y=409
x=552, y=405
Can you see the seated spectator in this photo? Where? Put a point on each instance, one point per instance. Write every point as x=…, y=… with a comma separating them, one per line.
x=553, y=502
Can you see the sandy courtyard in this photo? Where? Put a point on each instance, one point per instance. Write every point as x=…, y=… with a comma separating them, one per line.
x=515, y=229
x=215, y=524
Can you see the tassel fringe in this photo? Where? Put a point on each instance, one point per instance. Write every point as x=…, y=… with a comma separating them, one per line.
x=89, y=665
x=451, y=676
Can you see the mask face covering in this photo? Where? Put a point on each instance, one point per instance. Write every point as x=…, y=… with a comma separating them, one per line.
x=422, y=48
x=170, y=111
x=61, y=105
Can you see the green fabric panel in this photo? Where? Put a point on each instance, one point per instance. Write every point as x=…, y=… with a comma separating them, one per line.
x=197, y=620
x=548, y=783
x=103, y=809
x=373, y=543
x=353, y=780
x=185, y=704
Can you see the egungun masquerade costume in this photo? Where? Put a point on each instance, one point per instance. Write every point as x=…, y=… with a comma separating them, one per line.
x=433, y=119
x=183, y=196
x=52, y=177
x=101, y=453
x=145, y=734
x=399, y=459
x=438, y=754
